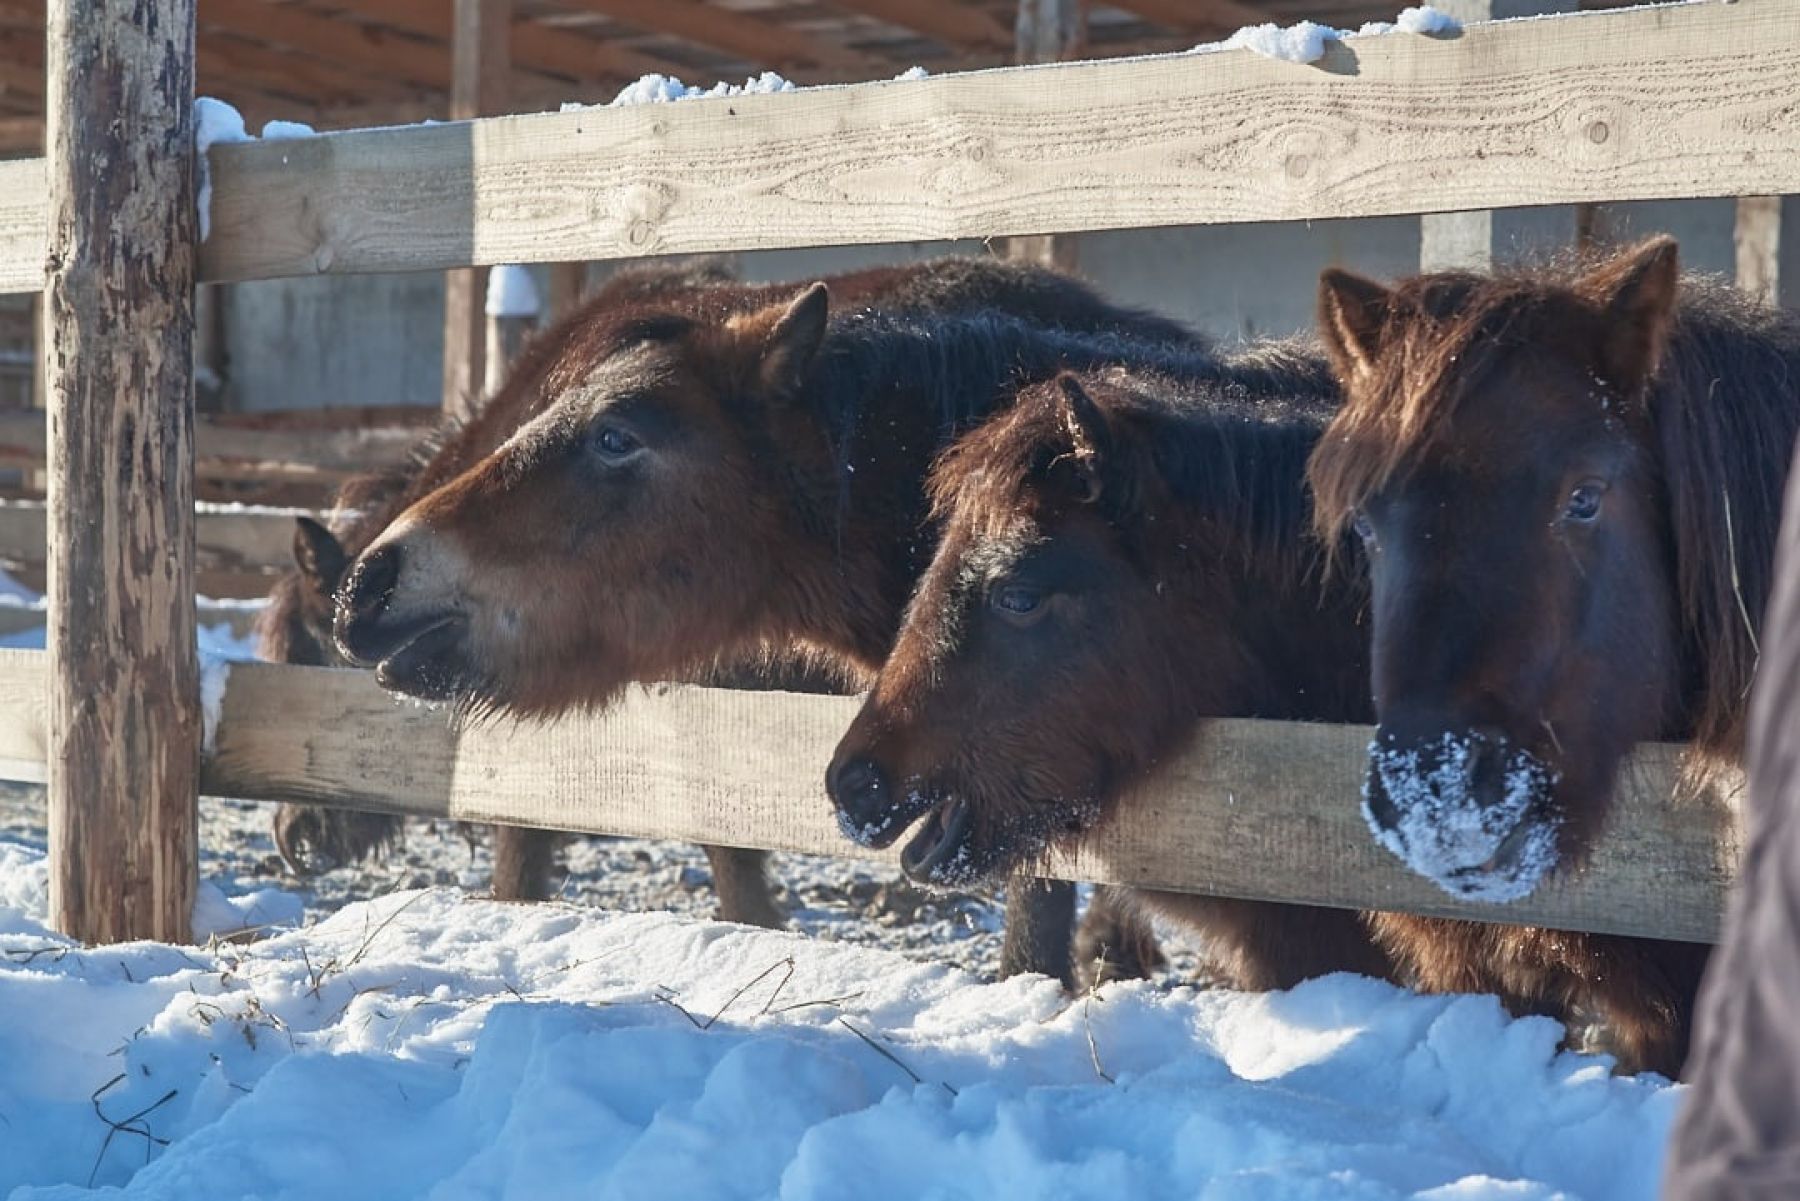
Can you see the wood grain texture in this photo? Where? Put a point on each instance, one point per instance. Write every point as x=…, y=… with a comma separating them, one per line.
x=1254, y=809
x=224, y=450
x=251, y=541
x=1690, y=100
x=124, y=686
x=24, y=208
x=1257, y=809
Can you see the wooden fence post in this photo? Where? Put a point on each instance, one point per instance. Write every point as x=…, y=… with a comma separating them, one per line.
x=1047, y=31
x=512, y=313
x=481, y=63
x=1470, y=241
x=124, y=693
x=1757, y=235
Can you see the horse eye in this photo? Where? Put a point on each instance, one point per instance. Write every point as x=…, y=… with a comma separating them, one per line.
x=611, y=442
x=1016, y=600
x=1359, y=521
x=1584, y=502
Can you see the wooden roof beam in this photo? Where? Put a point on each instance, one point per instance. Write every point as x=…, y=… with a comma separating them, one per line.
x=561, y=52
x=757, y=42
x=338, y=41
x=957, y=26
x=227, y=55
x=1195, y=16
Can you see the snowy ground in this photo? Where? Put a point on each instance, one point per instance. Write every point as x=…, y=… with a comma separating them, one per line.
x=429, y=1044
x=411, y=1039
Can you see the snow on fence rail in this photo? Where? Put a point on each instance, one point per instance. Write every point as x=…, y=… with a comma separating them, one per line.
x=1257, y=809
x=1671, y=101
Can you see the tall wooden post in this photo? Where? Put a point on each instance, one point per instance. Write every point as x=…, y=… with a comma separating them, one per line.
x=1471, y=241
x=124, y=754
x=512, y=313
x=481, y=65
x=1757, y=236
x=1047, y=31
x=1040, y=914
x=568, y=287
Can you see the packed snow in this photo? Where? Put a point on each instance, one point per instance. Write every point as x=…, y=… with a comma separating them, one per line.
x=430, y=1045
x=1492, y=849
x=1307, y=41
x=511, y=292
x=663, y=89
x=214, y=122
x=217, y=122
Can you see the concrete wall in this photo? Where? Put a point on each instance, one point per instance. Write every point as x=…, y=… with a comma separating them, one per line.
x=378, y=339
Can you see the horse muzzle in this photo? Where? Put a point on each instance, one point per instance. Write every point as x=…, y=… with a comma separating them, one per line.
x=414, y=647
x=1468, y=810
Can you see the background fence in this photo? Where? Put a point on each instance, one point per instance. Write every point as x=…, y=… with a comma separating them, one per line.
x=1681, y=101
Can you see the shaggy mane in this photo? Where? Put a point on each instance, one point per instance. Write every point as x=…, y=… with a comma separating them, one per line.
x=1722, y=412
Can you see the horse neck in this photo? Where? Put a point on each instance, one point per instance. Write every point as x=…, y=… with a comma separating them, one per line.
x=887, y=399
x=1272, y=628
x=1267, y=635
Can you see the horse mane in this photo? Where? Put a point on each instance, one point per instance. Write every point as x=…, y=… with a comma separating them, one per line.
x=1230, y=444
x=1726, y=408
x=1722, y=408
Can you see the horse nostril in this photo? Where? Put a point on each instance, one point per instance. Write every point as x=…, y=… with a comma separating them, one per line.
x=372, y=580
x=857, y=785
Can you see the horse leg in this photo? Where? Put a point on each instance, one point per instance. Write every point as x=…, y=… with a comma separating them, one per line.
x=313, y=839
x=741, y=880
x=524, y=862
x=1040, y=921
x=1643, y=991
x=1114, y=941
x=1257, y=946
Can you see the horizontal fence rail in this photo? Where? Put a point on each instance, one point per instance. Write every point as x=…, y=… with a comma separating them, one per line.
x=1684, y=100
x=226, y=450
x=1255, y=809
x=239, y=551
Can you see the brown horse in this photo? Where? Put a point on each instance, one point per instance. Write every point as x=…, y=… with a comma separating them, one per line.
x=1123, y=558
x=708, y=481
x=1568, y=482
x=295, y=627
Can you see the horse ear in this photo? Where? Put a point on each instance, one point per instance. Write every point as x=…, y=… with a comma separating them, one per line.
x=795, y=338
x=1636, y=294
x=319, y=555
x=1352, y=312
x=1090, y=436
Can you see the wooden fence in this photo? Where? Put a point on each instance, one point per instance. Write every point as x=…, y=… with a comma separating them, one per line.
x=1679, y=101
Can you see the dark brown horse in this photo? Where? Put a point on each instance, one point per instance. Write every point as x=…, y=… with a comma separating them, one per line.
x=702, y=526
x=1123, y=558
x=1568, y=482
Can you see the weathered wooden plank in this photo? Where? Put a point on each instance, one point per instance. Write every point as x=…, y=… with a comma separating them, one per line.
x=221, y=539
x=1257, y=809
x=1254, y=809
x=1685, y=100
x=124, y=686
x=226, y=450
x=24, y=209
